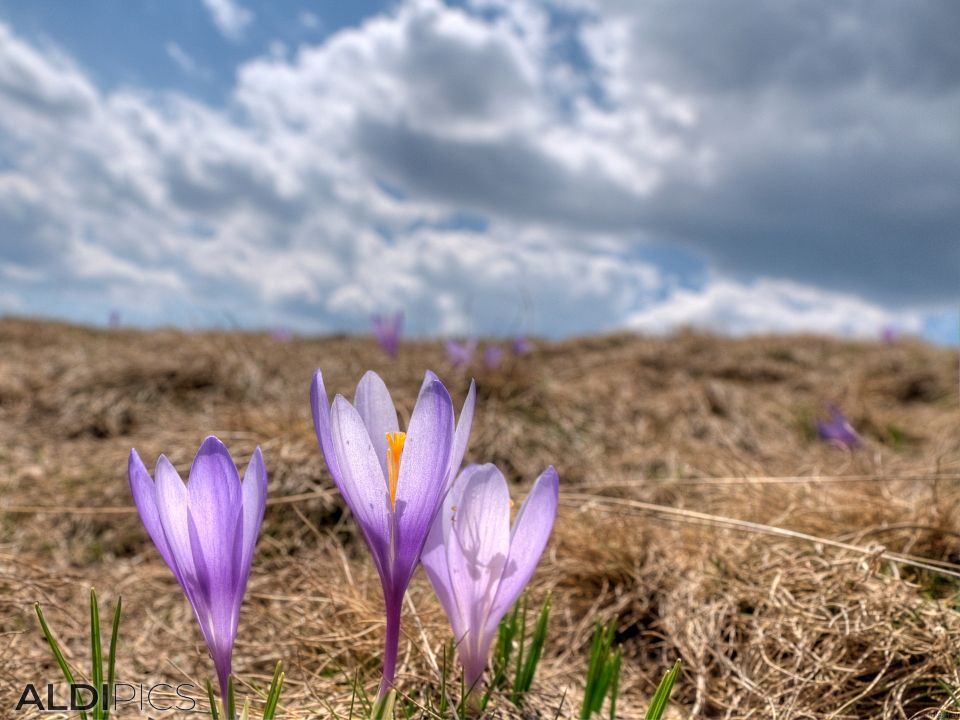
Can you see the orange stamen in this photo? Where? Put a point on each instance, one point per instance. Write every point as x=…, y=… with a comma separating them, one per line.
x=395, y=443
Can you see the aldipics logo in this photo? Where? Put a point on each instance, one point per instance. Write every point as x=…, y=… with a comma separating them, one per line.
x=80, y=697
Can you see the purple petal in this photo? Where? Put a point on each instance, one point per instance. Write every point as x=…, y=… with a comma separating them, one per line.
x=321, y=423
x=423, y=474
x=254, y=494
x=529, y=536
x=477, y=550
x=434, y=559
x=362, y=483
x=172, y=506
x=462, y=435
x=218, y=611
x=215, y=504
x=372, y=400
x=145, y=498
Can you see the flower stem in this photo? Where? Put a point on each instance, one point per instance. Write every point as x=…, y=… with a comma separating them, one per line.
x=391, y=647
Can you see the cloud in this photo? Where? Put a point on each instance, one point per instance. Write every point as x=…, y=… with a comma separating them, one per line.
x=769, y=306
x=183, y=60
x=501, y=167
x=230, y=17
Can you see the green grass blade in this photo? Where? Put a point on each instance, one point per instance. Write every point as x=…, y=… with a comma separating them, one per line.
x=615, y=688
x=214, y=713
x=273, y=696
x=96, y=651
x=57, y=653
x=661, y=697
x=112, y=658
x=230, y=704
x=522, y=632
x=535, y=652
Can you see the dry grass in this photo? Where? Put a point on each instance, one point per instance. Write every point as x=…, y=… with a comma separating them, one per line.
x=653, y=439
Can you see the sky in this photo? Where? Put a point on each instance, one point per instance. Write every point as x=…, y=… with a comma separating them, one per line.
x=489, y=167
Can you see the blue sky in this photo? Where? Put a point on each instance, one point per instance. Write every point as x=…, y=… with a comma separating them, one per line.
x=490, y=167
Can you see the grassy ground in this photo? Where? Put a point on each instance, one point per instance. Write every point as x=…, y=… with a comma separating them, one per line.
x=659, y=444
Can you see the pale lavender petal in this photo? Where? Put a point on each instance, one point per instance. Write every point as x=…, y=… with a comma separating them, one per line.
x=145, y=498
x=372, y=400
x=434, y=559
x=529, y=536
x=478, y=546
x=254, y=493
x=215, y=505
x=462, y=435
x=321, y=424
x=423, y=474
x=362, y=482
x=172, y=506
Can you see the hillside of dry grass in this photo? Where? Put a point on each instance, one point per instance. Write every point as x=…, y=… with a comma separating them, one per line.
x=691, y=484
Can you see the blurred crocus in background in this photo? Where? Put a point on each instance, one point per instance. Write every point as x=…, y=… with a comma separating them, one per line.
x=492, y=357
x=520, y=346
x=889, y=335
x=281, y=333
x=478, y=565
x=392, y=481
x=387, y=329
x=113, y=319
x=838, y=430
x=460, y=354
x=206, y=532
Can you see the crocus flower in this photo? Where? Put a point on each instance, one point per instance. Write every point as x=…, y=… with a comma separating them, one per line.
x=387, y=329
x=478, y=565
x=113, y=318
x=392, y=481
x=888, y=335
x=520, y=346
x=281, y=333
x=492, y=357
x=206, y=531
x=460, y=355
x=838, y=430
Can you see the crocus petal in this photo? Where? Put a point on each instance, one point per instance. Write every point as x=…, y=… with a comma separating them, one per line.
x=462, y=435
x=215, y=505
x=434, y=560
x=145, y=498
x=361, y=478
x=423, y=474
x=254, y=493
x=172, y=505
x=477, y=550
x=372, y=400
x=321, y=423
x=218, y=611
x=464, y=424
x=529, y=536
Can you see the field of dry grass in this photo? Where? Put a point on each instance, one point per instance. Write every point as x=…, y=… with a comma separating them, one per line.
x=794, y=579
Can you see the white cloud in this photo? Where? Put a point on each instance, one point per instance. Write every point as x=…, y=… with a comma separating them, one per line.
x=770, y=306
x=230, y=17
x=345, y=177
x=183, y=60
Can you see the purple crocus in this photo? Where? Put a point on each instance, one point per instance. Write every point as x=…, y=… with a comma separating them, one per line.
x=520, y=346
x=478, y=565
x=387, y=329
x=492, y=357
x=206, y=531
x=392, y=481
x=281, y=333
x=838, y=430
x=460, y=355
